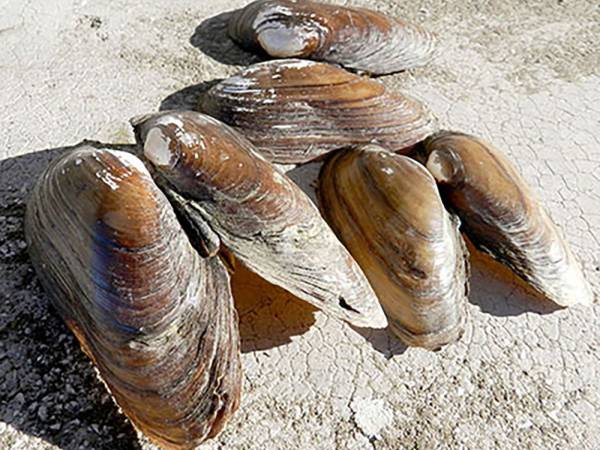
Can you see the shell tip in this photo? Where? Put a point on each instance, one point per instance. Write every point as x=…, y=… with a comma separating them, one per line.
x=136, y=121
x=281, y=42
x=157, y=147
x=439, y=166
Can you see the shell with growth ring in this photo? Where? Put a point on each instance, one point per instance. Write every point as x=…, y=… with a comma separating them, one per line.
x=387, y=211
x=228, y=193
x=502, y=216
x=356, y=38
x=157, y=320
x=295, y=111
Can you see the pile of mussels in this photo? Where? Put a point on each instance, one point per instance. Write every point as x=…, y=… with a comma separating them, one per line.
x=130, y=246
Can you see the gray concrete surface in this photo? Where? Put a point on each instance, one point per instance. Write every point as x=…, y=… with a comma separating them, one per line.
x=524, y=75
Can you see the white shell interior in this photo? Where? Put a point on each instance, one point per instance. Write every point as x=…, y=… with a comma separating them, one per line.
x=439, y=167
x=280, y=41
x=156, y=147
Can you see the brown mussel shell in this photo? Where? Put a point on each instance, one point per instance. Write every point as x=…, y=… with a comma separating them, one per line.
x=356, y=38
x=157, y=320
x=502, y=216
x=228, y=193
x=295, y=111
x=387, y=210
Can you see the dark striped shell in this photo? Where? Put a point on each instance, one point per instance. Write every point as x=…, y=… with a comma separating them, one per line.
x=387, y=211
x=295, y=111
x=356, y=38
x=227, y=192
x=502, y=216
x=157, y=320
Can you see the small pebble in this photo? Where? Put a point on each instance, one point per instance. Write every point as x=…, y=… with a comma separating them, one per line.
x=18, y=400
x=43, y=413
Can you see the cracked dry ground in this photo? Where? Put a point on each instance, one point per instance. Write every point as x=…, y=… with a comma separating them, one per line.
x=524, y=75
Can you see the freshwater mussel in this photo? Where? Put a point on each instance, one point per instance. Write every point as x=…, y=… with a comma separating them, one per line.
x=387, y=211
x=295, y=111
x=356, y=38
x=502, y=216
x=157, y=320
x=218, y=183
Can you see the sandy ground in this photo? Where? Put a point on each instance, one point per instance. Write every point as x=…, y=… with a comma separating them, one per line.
x=524, y=75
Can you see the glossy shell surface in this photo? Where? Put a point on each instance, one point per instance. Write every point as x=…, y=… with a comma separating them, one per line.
x=214, y=176
x=157, y=320
x=503, y=217
x=387, y=211
x=295, y=111
x=356, y=38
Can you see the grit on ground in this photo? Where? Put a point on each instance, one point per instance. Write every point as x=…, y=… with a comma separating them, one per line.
x=523, y=75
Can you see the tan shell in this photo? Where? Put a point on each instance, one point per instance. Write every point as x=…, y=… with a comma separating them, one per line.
x=502, y=216
x=229, y=193
x=295, y=111
x=356, y=38
x=156, y=319
x=387, y=211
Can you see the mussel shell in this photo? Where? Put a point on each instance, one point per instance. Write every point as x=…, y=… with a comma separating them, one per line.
x=502, y=216
x=156, y=319
x=387, y=211
x=356, y=38
x=258, y=213
x=295, y=111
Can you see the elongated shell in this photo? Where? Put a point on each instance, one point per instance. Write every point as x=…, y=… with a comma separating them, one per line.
x=502, y=217
x=386, y=210
x=156, y=319
x=270, y=225
x=356, y=38
x=295, y=111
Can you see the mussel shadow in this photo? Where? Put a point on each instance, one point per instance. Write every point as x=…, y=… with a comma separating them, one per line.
x=269, y=315
x=212, y=39
x=187, y=99
x=384, y=341
x=497, y=291
x=48, y=388
x=306, y=176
